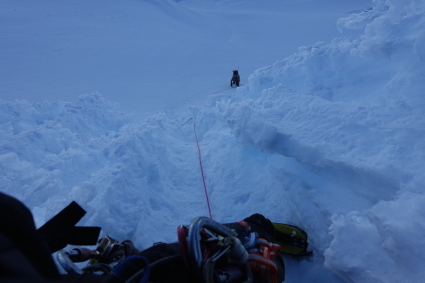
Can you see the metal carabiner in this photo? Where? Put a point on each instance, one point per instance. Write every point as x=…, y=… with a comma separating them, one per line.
x=194, y=239
x=67, y=263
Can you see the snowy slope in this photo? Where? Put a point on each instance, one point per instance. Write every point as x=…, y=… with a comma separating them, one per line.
x=330, y=139
x=151, y=56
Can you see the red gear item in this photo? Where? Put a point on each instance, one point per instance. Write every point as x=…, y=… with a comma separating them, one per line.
x=260, y=261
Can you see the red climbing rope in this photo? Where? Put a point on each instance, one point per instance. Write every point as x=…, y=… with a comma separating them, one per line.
x=222, y=90
x=202, y=171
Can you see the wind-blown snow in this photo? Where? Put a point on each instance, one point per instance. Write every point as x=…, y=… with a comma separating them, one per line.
x=331, y=139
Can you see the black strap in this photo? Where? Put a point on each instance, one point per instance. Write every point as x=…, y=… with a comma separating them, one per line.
x=61, y=230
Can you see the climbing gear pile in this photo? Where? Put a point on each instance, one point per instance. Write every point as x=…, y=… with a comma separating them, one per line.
x=240, y=252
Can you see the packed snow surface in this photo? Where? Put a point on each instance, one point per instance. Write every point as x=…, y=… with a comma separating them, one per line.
x=331, y=139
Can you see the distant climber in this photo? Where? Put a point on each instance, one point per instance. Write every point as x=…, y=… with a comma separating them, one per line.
x=235, y=79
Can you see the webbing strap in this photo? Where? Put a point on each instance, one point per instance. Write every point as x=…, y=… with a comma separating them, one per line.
x=61, y=230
